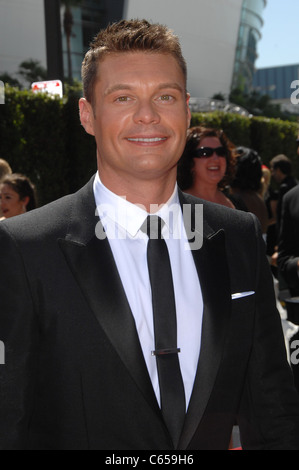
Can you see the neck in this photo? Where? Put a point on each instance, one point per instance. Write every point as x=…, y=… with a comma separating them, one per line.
x=147, y=193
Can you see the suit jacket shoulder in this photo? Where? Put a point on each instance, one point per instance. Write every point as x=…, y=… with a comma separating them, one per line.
x=76, y=213
x=288, y=241
x=220, y=217
x=292, y=196
x=53, y=220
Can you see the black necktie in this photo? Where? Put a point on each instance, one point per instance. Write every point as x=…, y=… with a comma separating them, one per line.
x=173, y=405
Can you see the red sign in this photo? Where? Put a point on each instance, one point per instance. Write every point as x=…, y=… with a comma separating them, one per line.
x=53, y=87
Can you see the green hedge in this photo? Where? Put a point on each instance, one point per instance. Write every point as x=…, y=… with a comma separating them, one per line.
x=42, y=138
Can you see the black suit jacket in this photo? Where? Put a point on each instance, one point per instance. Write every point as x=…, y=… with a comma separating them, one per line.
x=287, y=185
x=289, y=241
x=74, y=374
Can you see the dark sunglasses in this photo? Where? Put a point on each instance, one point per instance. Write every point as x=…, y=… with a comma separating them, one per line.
x=207, y=152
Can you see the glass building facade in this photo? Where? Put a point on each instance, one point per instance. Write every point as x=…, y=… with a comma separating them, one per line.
x=86, y=20
x=249, y=34
x=276, y=81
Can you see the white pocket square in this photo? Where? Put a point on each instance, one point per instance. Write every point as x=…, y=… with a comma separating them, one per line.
x=240, y=295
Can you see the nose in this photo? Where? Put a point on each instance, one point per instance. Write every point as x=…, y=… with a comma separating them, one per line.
x=146, y=113
x=215, y=156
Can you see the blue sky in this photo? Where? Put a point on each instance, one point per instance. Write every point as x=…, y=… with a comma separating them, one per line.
x=280, y=44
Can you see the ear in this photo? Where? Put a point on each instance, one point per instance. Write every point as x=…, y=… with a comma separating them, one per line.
x=86, y=116
x=25, y=201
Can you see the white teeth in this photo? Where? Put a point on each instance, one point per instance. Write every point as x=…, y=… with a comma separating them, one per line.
x=154, y=139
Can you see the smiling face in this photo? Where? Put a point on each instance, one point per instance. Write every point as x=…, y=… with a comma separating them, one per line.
x=213, y=169
x=11, y=204
x=139, y=119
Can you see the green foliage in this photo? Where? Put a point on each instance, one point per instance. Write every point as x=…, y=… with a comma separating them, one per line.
x=29, y=70
x=259, y=105
x=237, y=128
x=32, y=71
x=271, y=137
x=10, y=80
x=42, y=138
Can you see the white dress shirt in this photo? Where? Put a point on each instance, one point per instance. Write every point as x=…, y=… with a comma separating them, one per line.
x=122, y=221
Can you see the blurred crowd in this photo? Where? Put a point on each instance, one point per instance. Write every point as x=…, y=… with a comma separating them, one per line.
x=214, y=169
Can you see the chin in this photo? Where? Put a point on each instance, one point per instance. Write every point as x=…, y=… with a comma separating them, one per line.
x=153, y=167
x=213, y=180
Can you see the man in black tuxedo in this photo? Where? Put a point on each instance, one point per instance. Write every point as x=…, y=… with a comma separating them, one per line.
x=281, y=169
x=83, y=369
x=288, y=256
x=288, y=259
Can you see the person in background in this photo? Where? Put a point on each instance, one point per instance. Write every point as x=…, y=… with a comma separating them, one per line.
x=270, y=198
x=288, y=248
x=265, y=182
x=5, y=170
x=281, y=170
x=207, y=165
x=17, y=195
x=288, y=256
x=247, y=184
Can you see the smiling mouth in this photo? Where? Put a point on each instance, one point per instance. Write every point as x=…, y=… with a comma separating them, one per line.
x=146, y=140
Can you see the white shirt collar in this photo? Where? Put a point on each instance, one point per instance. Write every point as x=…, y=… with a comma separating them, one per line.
x=130, y=216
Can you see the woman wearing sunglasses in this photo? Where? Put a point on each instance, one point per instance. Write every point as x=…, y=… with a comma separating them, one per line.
x=207, y=165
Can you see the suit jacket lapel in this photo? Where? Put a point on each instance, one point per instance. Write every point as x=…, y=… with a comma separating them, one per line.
x=92, y=264
x=213, y=272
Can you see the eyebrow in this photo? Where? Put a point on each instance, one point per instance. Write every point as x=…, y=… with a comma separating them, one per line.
x=124, y=86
